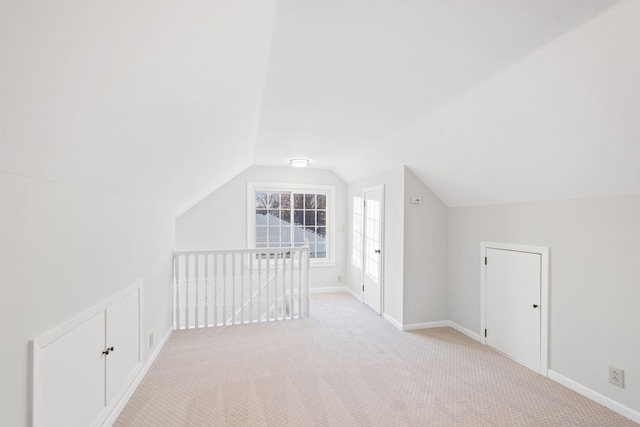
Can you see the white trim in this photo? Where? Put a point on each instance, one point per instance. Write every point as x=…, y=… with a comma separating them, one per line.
x=115, y=413
x=330, y=190
x=465, y=331
x=327, y=290
x=544, y=293
x=391, y=320
x=382, y=248
x=621, y=409
x=354, y=293
x=425, y=325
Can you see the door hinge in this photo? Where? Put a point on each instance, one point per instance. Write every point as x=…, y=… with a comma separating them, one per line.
x=362, y=288
x=485, y=260
x=485, y=333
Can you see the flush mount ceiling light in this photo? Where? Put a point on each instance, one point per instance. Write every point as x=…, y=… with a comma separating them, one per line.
x=299, y=163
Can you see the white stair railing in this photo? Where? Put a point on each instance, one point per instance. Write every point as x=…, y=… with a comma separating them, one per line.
x=230, y=287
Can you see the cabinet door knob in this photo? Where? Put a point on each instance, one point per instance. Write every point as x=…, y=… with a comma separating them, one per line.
x=108, y=350
x=534, y=306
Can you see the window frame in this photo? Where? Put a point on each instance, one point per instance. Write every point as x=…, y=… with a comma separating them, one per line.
x=328, y=190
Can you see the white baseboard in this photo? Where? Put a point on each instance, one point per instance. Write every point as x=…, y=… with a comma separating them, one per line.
x=327, y=290
x=625, y=411
x=113, y=416
x=425, y=325
x=465, y=331
x=354, y=293
x=391, y=320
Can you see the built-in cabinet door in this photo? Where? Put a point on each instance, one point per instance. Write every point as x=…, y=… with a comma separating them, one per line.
x=73, y=376
x=123, y=335
x=513, y=298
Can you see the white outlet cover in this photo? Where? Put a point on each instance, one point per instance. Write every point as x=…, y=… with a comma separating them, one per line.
x=616, y=376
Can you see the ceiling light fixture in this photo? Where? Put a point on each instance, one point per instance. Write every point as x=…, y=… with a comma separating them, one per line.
x=299, y=163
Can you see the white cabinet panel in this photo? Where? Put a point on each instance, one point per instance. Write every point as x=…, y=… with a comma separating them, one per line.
x=74, y=382
x=123, y=335
x=73, y=375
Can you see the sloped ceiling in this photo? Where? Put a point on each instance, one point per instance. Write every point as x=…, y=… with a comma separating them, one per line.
x=487, y=102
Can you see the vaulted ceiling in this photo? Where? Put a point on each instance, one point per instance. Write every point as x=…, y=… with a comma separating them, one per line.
x=487, y=102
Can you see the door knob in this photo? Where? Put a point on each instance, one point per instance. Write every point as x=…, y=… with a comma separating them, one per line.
x=535, y=305
x=377, y=251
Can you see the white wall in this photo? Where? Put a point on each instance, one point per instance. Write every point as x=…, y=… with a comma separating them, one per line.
x=414, y=253
x=220, y=220
x=425, y=254
x=594, y=281
x=63, y=250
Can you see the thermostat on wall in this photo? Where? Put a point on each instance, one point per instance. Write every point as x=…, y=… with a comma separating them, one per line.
x=416, y=200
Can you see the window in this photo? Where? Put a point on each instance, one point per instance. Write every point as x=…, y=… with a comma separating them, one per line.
x=285, y=215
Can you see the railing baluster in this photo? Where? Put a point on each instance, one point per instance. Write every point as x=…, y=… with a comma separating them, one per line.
x=233, y=288
x=276, y=261
x=186, y=297
x=206, y=290
x=307, y=312
x=259, y=312
x=241, y=289
x=197, y=274
x=215, y=289
x=284, y=286
x=300, y=283
x=268, y=283
x=224, y=289
x=291, y=307
x=250, y=287
x=176, y=266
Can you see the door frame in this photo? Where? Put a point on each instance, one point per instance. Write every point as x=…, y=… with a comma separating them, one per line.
x=544, y=294
x=382, y=251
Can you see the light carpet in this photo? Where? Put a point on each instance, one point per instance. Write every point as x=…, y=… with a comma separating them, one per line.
x=346, y=366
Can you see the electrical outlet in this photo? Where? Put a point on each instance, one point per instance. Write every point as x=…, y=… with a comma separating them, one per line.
x=150, y=340
x=616, y=376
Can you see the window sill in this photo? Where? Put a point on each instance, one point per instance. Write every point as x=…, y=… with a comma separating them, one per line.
x=329, y=263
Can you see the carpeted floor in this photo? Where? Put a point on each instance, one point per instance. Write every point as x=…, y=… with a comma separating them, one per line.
x=346, y=366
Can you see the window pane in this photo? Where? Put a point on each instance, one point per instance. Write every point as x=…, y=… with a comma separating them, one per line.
x=285, y=216
x=274, y=236
x=312, y=250
x=298, y=217
x=274, y=200
x=261, y=200
x=322, y=201
x=298, y=235
x=261, y=217
x=321, y=232
x=285, y=236
x=310, y=218
x=261, y=235
x=322, y=218
x=298, y=201
x=273, y=218
x=309, y=201
x=321, y=250
x=285, y=200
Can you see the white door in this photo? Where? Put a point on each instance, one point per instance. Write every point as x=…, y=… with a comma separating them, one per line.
x=123, y=335
x=73, y=375
x=372, y=263
x=512, y=301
